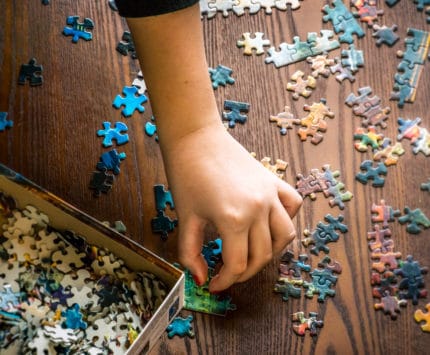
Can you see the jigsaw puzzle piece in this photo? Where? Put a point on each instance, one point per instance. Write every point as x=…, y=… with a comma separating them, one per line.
x=116, y=133
x=31, y=72
x=253, y=44
x=235, y=112
x=78, y=29
x=371, y=172
x=4, y=122
x=421, y=317
x=131, y=101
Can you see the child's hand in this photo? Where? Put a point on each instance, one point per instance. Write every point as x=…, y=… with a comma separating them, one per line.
x=215, y=180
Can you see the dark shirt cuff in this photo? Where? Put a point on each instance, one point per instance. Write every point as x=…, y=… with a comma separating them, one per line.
x=143, y=8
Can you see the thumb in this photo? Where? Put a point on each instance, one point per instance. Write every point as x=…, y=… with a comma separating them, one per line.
x=190, y=248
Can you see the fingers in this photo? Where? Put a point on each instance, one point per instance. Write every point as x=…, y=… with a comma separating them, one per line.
x=190, y=247
x=289, y=197
x=282, y=228
x=235, y=260
x=260, y=249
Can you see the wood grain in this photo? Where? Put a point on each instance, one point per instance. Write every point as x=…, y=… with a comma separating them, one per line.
x=53, y=142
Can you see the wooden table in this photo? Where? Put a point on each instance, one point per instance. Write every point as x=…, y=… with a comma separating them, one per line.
x=53, y=142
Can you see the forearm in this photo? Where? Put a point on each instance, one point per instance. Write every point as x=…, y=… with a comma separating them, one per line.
x=171, y=51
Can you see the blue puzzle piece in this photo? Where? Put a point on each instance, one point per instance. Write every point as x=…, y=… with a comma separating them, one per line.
x=4, y=122
x=352, y=58
x=235, y=115
x=151, y=130
x=113, y=133
x=126, y=46
x=162, y=198
x=212, y=252
x=385, y=35
x=180, y=326
x=221, y=75
x=415, y=219
x=372, y=173
x=78, y=29
x=132, y=101
x=163, y=224
x=391, y=2
x=73, y=317
x=111, y=161
x=421, y=4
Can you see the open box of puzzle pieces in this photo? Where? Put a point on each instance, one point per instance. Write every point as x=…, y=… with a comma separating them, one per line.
x=69, y=283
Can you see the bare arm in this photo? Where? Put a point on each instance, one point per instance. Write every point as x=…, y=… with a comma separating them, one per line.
x=212, y=177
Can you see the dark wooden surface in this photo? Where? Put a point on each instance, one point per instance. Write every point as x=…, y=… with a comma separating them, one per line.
x=53, y=142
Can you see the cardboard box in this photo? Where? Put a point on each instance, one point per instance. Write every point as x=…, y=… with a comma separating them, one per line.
x=64, y=216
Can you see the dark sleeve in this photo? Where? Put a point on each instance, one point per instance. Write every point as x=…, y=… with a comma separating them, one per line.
x=142, y=8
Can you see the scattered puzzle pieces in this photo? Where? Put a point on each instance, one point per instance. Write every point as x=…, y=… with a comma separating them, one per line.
x=78, y=29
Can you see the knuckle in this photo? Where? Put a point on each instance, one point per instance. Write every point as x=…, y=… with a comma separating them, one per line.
x=238, y=268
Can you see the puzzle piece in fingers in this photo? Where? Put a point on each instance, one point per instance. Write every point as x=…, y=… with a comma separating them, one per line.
x=131, y=101
x=31, y=72
x=78, y=29
x=235, y=112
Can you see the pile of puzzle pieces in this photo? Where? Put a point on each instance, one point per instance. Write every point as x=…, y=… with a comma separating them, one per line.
x=59, y=294
x=387, y=266
x=323, y=181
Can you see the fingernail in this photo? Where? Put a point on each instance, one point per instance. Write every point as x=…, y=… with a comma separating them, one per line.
x=196, y=280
